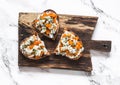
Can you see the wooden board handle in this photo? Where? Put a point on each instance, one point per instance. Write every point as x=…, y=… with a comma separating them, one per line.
x=104, y=46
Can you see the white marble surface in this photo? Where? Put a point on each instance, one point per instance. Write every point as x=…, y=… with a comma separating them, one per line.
x=106, y=69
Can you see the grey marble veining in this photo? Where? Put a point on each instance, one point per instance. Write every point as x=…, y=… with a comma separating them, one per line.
x=106, y=69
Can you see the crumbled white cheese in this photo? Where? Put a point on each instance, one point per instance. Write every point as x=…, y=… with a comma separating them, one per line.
x=72, y=50
x=50, y=19
x=47, y=17
x=81, y=50
x=22, y=46
x=42, y=20
x=38, y=52
x=64, y=48
x=27, y=42
x=37, y=24
x=40, y=23
x=58, y=53
x=42, y=43
x=54, y=25
x=43, y=29
x=31, y=38
x=47, y=22
x=53, y=31
x=64, y=41
x=31, y=56
x=63, y=54
x=74, y=42
x=27, y=51
x=35, y=47
x=51, y=35
x=45, y=50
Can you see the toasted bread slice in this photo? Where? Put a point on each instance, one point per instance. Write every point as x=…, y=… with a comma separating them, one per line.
x=47, y=24
x=70, y=46
x=33, y=48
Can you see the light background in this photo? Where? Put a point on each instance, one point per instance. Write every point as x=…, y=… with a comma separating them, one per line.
x=106, y=69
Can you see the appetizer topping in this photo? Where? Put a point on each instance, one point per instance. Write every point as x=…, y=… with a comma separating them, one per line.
x=69, y=45
x=33, y=47
x=47, y=23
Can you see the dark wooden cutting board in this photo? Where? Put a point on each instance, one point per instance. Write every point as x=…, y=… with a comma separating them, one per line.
x=83, y=26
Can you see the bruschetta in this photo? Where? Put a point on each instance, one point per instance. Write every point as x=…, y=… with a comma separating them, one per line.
x=70, y=46
x=33, y=47
x=47, y=24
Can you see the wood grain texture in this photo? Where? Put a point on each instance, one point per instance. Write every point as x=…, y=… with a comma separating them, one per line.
x=83, y=26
